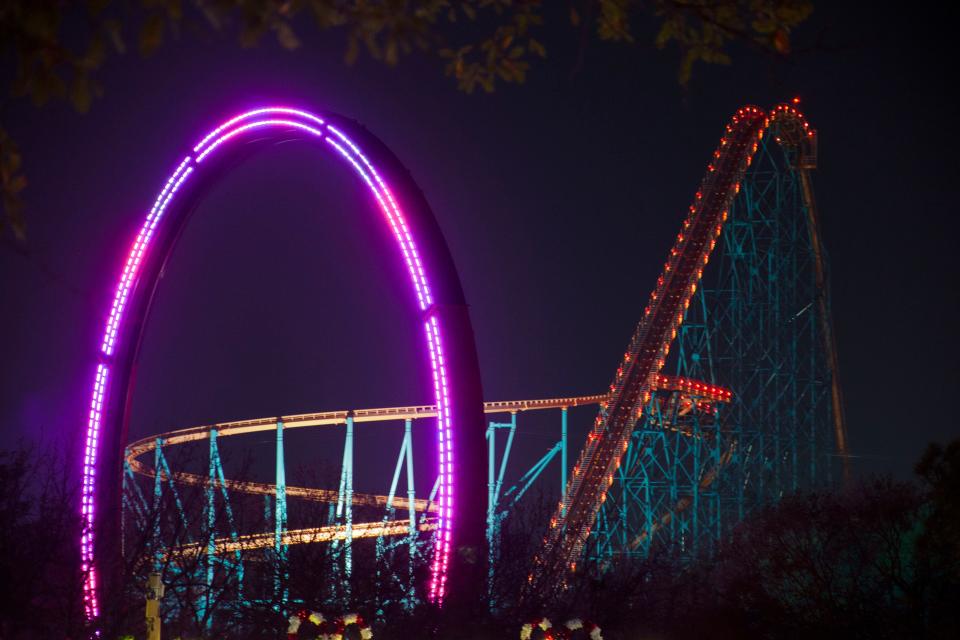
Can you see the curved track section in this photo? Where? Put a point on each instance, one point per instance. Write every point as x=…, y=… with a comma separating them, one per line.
x=648, y=348
x=312, y=535
x=690, y=391
x=327, y=418
x=691, y=394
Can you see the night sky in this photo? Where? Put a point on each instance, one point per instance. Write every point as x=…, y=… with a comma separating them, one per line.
x=559, y=200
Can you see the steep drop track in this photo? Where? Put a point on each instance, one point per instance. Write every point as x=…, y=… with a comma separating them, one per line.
x=648, y=348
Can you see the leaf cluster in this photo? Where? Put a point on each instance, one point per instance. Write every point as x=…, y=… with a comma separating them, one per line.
x=55, y=48
x=12, y=182
x=705, y=29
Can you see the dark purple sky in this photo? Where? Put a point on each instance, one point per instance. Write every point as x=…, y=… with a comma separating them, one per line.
x=556, y=198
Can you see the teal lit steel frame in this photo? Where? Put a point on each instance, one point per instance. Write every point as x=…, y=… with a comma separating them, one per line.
x=667, y=484
x=150, y=515
x=759, y=325
x=500, y=506
x=501, y=499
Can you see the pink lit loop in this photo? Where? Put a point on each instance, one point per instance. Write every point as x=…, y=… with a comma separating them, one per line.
x=271, y=119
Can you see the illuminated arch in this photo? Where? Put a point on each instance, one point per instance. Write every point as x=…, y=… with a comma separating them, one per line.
x=440, y=301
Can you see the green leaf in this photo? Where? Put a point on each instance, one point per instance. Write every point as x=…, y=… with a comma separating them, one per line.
x=174, y=10
x=46, y=85
x=373, y=48
x=537, y=48
x=81, y=94
x=11, y=162
x=151, y=34
x=686, y=67
x=286, y=37
x=16, y=184
x=96, y=7
x=667, y=32
x=353, y=50
x=390, y=55
x=764, y=26
x=96, y=54
x=114, y=31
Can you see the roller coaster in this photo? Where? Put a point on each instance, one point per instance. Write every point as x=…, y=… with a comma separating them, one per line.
x=761, y=290
x=752, y=409
x=692, y=396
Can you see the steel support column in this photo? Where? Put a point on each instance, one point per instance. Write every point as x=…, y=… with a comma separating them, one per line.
x=563, y=454
x=280, y=522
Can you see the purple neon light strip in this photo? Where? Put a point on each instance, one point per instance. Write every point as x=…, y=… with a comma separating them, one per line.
x=254, y=125
x=404, y=233
x=89, y=478
x=131, y=272
x=442, y=547
x=251, y=114
x=408, y=250
x=128, y=277
x=132, y=266
x=445, y=437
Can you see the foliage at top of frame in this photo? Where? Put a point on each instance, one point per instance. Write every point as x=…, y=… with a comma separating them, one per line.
x=55, y=48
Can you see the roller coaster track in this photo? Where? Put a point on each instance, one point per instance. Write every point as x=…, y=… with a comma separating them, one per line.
x=649, y=346
x=689, y=392
x=311, y=535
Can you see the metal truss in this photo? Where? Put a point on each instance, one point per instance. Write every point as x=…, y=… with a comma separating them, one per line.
x=759, y=325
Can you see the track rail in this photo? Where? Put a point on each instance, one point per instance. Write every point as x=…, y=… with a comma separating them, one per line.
x=331, y=418
x=311, y=535
x=647, y=350
x=320, y=419
x=693, y=391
